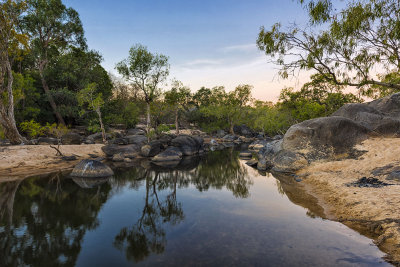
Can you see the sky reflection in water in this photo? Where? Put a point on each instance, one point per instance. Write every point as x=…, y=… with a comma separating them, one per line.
x=213, y=210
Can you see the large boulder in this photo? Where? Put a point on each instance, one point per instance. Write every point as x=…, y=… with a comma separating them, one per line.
x=381, y=115
x=88, y=168
x=170, y=154
x=323, y=137
x=189, y=145
x=136, y=139
x=288, y=161
x=127, y=151
x=152, y=149
x=71, y=139
x=266, y=154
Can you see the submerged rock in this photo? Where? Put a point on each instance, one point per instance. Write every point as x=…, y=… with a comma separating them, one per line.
x=88, y=168
x=245, y=154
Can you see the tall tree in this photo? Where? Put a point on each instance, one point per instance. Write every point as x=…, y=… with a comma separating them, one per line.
x=53, y=28
x=146, y=71
x=11, y=41
x=354, y=47
x=178, y=97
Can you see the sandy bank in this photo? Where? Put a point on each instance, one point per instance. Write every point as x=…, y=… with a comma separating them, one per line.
x=22, y=161
x=376, y=210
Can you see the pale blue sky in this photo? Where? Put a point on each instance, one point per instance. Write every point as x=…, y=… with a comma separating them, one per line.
x=209, y=42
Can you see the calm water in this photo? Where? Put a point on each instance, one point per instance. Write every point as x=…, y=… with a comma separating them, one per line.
x=213, y=211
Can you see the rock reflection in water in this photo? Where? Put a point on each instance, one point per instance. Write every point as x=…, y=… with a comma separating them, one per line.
x=150, y=214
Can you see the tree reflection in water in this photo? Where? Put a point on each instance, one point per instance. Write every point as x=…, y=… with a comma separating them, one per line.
x=216, y=170
x=43, y=219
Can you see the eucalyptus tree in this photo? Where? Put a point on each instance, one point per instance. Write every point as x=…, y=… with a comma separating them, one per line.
x=53, y=28
x=178, y=97
x=12, y=42
x=146, y=71
x=350, y=47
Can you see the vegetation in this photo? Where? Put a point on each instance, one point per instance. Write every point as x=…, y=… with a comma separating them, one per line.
x=49, y=75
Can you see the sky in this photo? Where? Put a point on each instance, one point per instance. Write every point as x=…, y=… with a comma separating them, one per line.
x=209, y=42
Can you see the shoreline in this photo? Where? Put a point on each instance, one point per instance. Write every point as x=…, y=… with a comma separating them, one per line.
x=374, y=212
x=28, y=160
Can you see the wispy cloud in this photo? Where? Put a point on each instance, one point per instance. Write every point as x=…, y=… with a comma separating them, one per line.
x=240, y=48
x=201, y=62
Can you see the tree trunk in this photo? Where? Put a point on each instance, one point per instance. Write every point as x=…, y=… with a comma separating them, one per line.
x=148, y=117
x=50, y=97
x=103, y=132
x=231, y=127
x=177, y=122
x=7, y=119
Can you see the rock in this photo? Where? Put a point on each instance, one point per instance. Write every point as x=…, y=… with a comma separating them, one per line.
x=97, y=137
x=120, y=141
x=127, y=160
x=394, y=176
x=88, y=141
x=166, y=139
x=69, y=158
x=277, y=137
x=245, y=154
x=189, y=145
x=258, y=144
x=47, y=141
x=220, y=133
x=135, y=131
x=137, y=139
x=170, y=154
x=288, y=161
x=381, y=115
x=88, y=168
x=152, y=149
x=323, y=137
x=243, y=130
x=266, y=154
x=118, y=157
x=229, y=138
x=71, y=139
x=213, y=142
x=252, y=162
x=127, y=151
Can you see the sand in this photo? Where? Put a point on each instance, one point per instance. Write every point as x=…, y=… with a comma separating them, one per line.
x=376, y=210
x=23, y=161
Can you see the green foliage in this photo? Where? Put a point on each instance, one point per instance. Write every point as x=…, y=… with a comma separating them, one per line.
x=145, y=70
x=117, y=112
x=32, y=128
x=357, y=47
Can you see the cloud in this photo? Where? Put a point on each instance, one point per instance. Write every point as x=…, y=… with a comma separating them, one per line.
x=240, y=48
x=202, y=63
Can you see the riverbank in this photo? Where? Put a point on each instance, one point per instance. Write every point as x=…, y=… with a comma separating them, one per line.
x=376, y=210
x=22, y=161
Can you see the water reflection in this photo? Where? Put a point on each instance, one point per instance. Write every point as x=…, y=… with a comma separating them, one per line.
x=43, y=219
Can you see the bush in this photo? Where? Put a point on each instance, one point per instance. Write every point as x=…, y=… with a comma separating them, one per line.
x=32, y=128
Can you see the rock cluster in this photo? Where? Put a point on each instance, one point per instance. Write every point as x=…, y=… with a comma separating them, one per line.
x=329, y=137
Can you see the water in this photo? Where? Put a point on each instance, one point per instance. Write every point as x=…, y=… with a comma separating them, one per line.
x=213, y=211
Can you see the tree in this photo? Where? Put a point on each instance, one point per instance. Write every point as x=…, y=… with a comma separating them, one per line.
x=228, y=106
x=11, y=42
x=354, y=45
x=178, y=97
x=94, y=101
x=145, y=71
x=53, y=28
